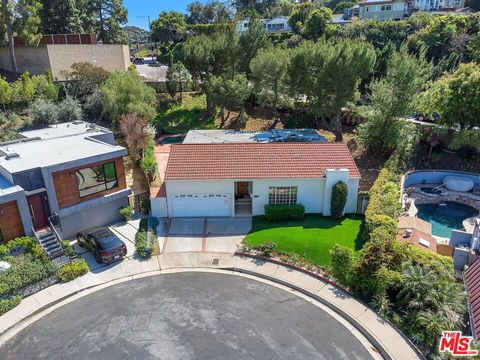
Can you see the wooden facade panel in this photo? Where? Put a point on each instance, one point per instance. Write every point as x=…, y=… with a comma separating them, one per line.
x=10, y=221
x=66, y=188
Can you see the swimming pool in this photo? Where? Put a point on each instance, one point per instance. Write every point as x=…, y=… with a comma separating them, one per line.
x=445, y=217
x=172, y=140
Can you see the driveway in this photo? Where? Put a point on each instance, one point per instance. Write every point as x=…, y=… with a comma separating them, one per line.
x=188, y=316
x=206, y=234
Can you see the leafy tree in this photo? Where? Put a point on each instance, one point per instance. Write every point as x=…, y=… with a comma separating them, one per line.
x=262, y=7
x=299, y=15
x=251, y=41
x=316, y=23
x=339, y=199
x=211, y=12
x=394, y=96
x=342, y=5
x=176, y=78
x=124, y=93
x=207, y=56
x=44, y=87
x=170, y=27
x=5, y=93
x=137, y=133
x=283, y=8
x=229, y=94
x=84, y=79
x=27, y=22
x=69, y=110
x=327, y=74
x=456, y=97
x=269, y=74
x=105, y=17
x=93, y=110
x=61, y=17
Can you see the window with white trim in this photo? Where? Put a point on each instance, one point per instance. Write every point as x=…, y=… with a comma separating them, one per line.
x=282, y=195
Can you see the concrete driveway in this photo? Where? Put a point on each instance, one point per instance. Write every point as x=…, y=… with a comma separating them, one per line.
x=206, y=234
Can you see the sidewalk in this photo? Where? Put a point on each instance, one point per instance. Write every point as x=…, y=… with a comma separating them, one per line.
x=390, y=343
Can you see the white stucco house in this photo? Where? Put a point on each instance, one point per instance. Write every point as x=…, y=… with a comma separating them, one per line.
x=239, y=179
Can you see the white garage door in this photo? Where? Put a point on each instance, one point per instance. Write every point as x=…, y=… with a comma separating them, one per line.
x=202, y=205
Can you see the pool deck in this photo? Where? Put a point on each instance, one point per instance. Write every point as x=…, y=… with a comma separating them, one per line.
x=420, y=197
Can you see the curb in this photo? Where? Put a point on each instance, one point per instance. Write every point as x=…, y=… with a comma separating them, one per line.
x=351, y=320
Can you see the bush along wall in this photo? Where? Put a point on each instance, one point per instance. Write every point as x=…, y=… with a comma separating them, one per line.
x=284, y=212
x=339, y=199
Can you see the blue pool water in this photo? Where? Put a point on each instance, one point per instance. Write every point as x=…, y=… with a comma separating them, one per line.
x=444, y=219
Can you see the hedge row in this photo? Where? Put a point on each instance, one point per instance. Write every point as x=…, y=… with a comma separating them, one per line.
x=143, y=243
x=284, y=212
x=383, y=205
x=9, y=304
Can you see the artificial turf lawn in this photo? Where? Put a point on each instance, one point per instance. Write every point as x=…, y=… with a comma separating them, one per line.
x=313, y=237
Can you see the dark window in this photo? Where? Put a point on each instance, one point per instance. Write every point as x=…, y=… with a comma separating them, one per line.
x=282, y=195
x=2, y=240
x=96, y=179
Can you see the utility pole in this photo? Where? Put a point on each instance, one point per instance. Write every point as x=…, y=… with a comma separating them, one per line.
x=11, y=45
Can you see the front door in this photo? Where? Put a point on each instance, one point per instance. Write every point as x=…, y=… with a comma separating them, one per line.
x=243, y=189
x=37, y=211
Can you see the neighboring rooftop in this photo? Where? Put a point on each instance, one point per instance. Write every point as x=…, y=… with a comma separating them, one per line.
x=233, y=136
x=65, y=129
x=31, y=154
x=257, y=161
x=472, y=285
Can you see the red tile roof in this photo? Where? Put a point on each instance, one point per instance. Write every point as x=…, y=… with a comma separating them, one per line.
x=257, y=161
x=472, y=284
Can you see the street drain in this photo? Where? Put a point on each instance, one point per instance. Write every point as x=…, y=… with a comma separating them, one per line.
x=215, y=261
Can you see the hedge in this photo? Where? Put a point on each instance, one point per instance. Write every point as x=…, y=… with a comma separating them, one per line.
x=143, y=245
x=284, y=212
x=339, y=199
x=383, y=200
x=9, y=304
x=73, y=270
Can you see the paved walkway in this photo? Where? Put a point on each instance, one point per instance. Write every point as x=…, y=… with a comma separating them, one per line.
x=393, y=344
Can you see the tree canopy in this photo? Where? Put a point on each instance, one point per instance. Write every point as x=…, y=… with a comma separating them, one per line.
x=170, y=27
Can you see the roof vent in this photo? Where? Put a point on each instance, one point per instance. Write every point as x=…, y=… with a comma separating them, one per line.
x=12, y=156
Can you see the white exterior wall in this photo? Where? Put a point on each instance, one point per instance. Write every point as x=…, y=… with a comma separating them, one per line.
x=159, y=207
x=314, y=194
x=310, y=193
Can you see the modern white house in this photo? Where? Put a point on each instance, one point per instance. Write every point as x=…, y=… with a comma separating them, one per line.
x=275, y=25
x=239, y=179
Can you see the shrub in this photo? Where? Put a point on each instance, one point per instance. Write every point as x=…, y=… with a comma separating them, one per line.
x=9, y=303
x=25, y=270
x=44, y=112
x=339, y=199
x=67, y=248
x=145, y=206
x=284, y=212
x=342, y=263
x=149, y=161
x=266, y=248
x=69, y=110
x=142, y=245
x=73, y=270
x=383, y=198
x=126, y=212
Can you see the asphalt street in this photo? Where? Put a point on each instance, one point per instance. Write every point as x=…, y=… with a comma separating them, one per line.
x=187, y=316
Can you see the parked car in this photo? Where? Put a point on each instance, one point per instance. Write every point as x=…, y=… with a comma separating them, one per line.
x=155, y=63
x=138, y=61
x=435, y=117
x=105, y=246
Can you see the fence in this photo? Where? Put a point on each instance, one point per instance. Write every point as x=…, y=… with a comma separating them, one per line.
x=135, y=199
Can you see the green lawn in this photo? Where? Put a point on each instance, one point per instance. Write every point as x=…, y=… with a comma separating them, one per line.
x=312, y=237
x=178, y=118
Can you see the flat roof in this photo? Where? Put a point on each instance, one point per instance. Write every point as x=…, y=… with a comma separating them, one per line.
x=64, y=129
x=44, y=153
x=233, y=136
x=257, y=161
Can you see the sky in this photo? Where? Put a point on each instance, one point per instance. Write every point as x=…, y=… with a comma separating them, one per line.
x=138, y=10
